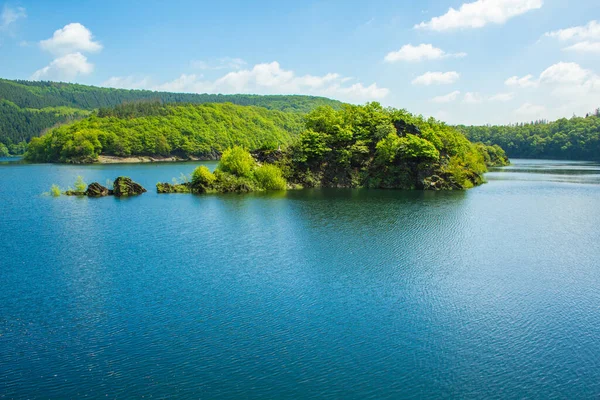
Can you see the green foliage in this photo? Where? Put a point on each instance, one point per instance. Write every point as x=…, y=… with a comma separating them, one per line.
x=80, y=185
x=203, y=131
x=202, y=179
x=55, y=191
x=575, y=139
x=237, y=161
x=415, y=148
x=3, y=150
x=494, y=156
x=381, y=147
x=27, y=109
x=270, y=177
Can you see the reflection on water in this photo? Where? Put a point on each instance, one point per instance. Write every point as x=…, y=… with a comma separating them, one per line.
x=487, y=293
x=548, y=170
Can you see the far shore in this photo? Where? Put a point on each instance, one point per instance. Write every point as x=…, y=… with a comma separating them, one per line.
x=146, y=159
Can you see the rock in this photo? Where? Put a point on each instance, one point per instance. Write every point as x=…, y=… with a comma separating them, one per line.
x=73, y=193
x=96, y=190
x=170, y=188
x=433, y=182
x=124, y=186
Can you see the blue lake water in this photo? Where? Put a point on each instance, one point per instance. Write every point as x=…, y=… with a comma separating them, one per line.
x=489, y=293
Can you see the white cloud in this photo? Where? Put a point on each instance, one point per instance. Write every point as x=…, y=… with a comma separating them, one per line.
x=127, y=82
x=421, y=52
x=531, y=110
x=480, y=13
x=269, y=78
x=11, y=15
x=502, y=97
x=585, y=32
x=218, y=64
x=565, y=73
x=74, y=37
x=448, y=98
x=472, y=98
x=65, y=68
x=584, y=47
x=524, y=82
x=436, y=78
x=586, y=37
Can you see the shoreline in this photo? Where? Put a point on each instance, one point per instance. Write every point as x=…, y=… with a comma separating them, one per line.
x=147, y=159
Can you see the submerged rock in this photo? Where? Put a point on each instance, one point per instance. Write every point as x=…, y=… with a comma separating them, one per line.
x=124, y=186
x=97, y=190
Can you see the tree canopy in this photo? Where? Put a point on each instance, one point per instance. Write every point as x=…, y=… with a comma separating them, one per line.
x=577, y=138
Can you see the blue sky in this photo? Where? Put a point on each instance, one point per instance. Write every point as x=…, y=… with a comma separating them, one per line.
x=462, y=61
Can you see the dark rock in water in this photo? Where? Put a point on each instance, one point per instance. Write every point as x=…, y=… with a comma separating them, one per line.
x=434, y=182
x=170, y=188
x=96, y=190
x=74, y=193
x=124, y=186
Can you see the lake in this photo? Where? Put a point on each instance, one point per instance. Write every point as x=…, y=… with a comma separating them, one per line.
x=488, y=293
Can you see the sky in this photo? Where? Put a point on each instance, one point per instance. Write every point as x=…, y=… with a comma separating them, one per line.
x=461, y=61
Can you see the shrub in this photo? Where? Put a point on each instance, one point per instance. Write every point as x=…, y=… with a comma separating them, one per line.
x=80, y=185
x=237, y=161
x=54, y=191
x=202, y=177
x=270, y=177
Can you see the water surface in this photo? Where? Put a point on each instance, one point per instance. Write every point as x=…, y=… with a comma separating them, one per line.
x=489, y=293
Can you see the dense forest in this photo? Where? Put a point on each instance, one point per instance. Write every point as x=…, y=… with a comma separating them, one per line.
x=355, y=146
x=155, y=129
x=28, y=108
x=577, y=138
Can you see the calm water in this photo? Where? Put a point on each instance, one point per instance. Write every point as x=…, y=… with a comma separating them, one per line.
x=489, y=293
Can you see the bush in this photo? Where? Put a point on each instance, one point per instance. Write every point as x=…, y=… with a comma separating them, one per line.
x=202, y=178
x=237, y=161
x=80, y=185
x=55, y=191
x=270, y=177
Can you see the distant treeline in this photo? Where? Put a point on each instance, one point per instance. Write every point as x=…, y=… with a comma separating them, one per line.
x=577, y=138
x=28, y=108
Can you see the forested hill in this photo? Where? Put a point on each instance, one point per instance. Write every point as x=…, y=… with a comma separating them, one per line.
x=155, y=129
x=577, y=138
x=28, y=108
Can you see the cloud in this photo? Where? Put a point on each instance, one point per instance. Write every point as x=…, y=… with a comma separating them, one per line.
x=127, y=82
x=74, y=37
x=584, y=47
x=480, y=13
x=472, y=98
x=421, y=52
x=586, y=37
x=585, y=32
x=502, y=97
x=218, y=64
x=436, y=78
x=269, y=78
x=67, y=45
x=65, y=68
x=531, y=110
x=448, y=98
x=10, y=15
x=524, y=82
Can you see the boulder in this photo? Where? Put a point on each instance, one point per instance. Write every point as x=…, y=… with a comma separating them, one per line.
x=124, y=186
x=96, y=190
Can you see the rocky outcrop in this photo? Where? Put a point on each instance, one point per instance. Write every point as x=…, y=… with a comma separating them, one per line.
x=170, y=188
x=97, y=190
x=124, y=187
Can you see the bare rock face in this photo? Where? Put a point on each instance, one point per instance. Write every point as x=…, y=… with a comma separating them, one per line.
x=124, y=186
x=96, y=190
